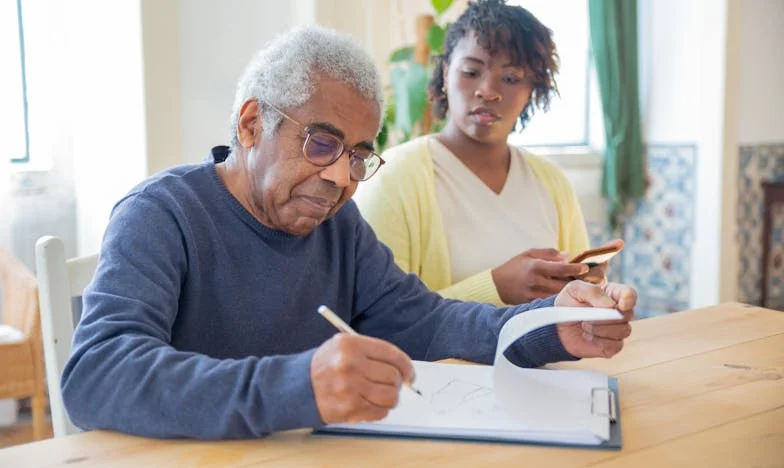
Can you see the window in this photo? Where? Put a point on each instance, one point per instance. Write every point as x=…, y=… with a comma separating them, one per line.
x=13, y=112
x=574, y=118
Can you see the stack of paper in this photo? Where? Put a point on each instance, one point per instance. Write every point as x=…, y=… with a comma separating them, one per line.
x=505, y=402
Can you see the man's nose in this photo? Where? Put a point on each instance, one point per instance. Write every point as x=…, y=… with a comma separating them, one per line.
x=339, y=172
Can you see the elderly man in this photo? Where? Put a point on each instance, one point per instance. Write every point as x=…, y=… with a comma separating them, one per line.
x=201, y=320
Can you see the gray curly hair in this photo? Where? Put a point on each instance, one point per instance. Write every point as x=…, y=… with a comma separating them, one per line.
x=284, y=73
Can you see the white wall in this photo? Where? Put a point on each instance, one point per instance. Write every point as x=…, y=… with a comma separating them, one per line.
x=162, y=76
x=216, y=41
x=86, y=119
x=754, y=108
x=670, y=48
x=760, y=117
x=708, y=259
x=108, y=110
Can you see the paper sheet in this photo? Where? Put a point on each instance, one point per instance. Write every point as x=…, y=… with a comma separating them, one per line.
x=564, y=398
x=503, y=402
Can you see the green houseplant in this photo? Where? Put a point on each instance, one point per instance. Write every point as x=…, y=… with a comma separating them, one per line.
x=407, y=109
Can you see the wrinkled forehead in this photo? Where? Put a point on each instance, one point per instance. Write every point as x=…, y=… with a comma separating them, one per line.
x=341, y=106
x=361, y=84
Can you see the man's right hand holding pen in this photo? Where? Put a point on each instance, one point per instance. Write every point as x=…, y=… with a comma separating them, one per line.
x=358, y=378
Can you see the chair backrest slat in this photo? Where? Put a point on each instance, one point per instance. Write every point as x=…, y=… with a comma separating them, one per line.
x=59, y=281
x=80, y=272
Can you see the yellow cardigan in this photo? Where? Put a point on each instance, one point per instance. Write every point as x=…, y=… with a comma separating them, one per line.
x=400, y=204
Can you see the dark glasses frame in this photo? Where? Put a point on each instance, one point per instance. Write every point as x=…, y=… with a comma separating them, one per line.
x=355, y=157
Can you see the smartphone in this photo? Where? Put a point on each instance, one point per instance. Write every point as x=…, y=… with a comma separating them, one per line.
x=593, y=257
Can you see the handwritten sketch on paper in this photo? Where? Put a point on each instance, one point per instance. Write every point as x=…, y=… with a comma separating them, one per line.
x=461, y=395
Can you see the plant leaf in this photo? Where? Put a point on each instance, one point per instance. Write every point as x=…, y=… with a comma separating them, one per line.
x=386, y=128
x=410, y=96
x=382, y=137
x=417, y=92
x=435, y=39
x=400, y=98
x=402, y=54
x=441, y=5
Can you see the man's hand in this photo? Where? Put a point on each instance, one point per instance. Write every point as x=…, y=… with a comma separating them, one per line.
x=357, y=378
x=534, y=274
x=596, y=339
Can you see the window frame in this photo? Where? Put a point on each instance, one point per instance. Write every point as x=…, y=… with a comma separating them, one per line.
x=586, y=140
x=587, y=152
x=25, y=158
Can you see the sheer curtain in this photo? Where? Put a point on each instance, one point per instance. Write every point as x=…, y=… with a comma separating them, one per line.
x=37, y=197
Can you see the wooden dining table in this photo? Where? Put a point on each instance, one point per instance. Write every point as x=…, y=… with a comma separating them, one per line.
x=699, y=388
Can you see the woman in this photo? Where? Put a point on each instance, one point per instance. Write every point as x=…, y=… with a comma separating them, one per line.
x=473, y=217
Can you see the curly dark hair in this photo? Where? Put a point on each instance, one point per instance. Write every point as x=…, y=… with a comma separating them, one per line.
x=499, y=26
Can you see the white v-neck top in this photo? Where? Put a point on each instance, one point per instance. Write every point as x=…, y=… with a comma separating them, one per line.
x=485, y=229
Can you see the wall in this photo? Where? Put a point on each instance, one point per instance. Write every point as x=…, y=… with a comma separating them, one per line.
x=108, y=110
x=669, y=47
x=682, y=69
x=217, y=39
x=760, y=117
x=162, y=97
x=756, y=154
x=712, y=75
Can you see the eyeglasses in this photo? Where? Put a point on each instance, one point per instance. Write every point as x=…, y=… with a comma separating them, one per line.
x=323, y=149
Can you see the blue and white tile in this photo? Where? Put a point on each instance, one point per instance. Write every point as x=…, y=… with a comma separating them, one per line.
x=659, y=235
x=758, y=164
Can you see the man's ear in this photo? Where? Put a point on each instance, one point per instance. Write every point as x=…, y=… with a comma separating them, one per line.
x=248, y=123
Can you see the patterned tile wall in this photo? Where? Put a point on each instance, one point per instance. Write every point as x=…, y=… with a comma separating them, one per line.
x=659, y=235
x=757, y=164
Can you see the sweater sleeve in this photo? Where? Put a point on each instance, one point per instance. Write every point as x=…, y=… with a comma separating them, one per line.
x=479, y=287
x=399, y=308
x=124, y=374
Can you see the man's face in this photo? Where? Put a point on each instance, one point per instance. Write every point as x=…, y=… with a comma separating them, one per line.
x=287, y=192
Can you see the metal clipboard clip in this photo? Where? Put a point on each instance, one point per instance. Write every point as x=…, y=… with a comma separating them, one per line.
x=612, y=411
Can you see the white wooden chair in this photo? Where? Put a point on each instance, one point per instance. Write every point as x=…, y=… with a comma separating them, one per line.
x=60, y=280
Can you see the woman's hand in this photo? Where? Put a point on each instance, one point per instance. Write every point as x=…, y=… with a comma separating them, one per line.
x=534, y=274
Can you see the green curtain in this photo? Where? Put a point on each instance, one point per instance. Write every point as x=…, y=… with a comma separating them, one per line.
x=613, y=25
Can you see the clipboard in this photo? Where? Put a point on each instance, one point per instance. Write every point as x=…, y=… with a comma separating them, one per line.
x=613, y=443
x=507, y=403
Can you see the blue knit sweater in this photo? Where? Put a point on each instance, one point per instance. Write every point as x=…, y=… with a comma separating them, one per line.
x=201, y=322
